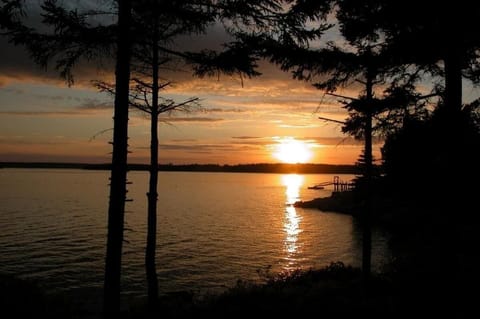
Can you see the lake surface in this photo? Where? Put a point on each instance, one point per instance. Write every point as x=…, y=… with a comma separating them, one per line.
x=213, y=229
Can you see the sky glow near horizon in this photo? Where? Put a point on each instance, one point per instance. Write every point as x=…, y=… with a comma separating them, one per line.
x=44, y=120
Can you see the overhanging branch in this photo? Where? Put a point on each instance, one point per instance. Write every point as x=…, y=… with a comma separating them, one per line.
x=331, y=120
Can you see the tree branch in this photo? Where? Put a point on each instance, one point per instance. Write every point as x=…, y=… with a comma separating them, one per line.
x=331, y=120
x=342, y=96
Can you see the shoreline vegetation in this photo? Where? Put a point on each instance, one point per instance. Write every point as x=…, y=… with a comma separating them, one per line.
x=388, y=212
x=335, y=289
x=337, y=202
x=237, y=168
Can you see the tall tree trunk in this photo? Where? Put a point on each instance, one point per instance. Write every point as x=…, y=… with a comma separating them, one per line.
x=152, y=195
x=452, y=123
x=453, y=81
x=118, y=179
x=367, y=231
x=453, y=155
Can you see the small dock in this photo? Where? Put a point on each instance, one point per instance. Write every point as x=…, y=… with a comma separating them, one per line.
x=338, y=185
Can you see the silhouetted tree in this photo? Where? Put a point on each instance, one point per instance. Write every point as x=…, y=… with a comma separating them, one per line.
x=440, y=150
x=118, y=178
x=144, y=96
x=157, y=24
x=67, y=44
x=429, y=38
x=438, y=40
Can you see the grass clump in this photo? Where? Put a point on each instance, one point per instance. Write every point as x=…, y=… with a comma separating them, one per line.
x=336, y=290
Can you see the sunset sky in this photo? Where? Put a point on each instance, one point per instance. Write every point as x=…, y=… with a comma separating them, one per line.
x=42, y=119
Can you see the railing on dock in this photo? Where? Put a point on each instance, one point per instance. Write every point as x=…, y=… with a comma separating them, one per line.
x=341, y=186
x=338, y=185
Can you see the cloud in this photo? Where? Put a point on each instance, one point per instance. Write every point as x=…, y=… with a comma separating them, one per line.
x=18, y=90
x=246, y=137
x=21, y=140
x=193, y=146
x=224, y=110
x=246, y=144
x=87, y=107
x=183, y=140
x=298, y=126
x=190, y=119
x=43, y=114
x=17, y=67
x=254, y=143
x=339, y=140
x=264, y=87
x=320, y=141
x=200, y=148
x=93, y=104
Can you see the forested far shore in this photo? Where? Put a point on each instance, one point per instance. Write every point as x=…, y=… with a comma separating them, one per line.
x=238, y=168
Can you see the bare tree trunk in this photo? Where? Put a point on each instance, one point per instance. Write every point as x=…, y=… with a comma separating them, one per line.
x=118, y=179
x=452, y=123
x=366, y=222
x=453, y=82
x=453, y=157
x=152, y=195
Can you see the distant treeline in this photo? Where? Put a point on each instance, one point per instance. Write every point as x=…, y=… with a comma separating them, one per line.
x=239, y=168
x=264, y=168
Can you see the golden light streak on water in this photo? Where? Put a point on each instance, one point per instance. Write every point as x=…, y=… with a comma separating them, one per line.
x=292, y=220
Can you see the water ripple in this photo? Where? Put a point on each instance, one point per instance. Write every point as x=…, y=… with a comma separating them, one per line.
x=213, y=229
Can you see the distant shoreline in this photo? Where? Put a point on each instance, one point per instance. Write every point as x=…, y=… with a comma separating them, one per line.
x=238, y=168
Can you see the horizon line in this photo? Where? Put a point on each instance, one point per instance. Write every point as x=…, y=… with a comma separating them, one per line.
x=164, y=164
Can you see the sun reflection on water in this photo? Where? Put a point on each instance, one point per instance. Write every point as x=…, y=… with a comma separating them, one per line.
x=291, y=226
x=292, y=182
x=292, y=230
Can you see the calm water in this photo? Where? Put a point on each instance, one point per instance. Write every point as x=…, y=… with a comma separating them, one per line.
x=213, y=228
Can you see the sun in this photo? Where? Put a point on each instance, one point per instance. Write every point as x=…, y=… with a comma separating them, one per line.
x=292, y=151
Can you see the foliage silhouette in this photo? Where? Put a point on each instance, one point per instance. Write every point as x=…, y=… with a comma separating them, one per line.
x=423, y=40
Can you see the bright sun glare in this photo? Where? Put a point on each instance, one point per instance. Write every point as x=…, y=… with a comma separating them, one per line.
x=290, y=150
